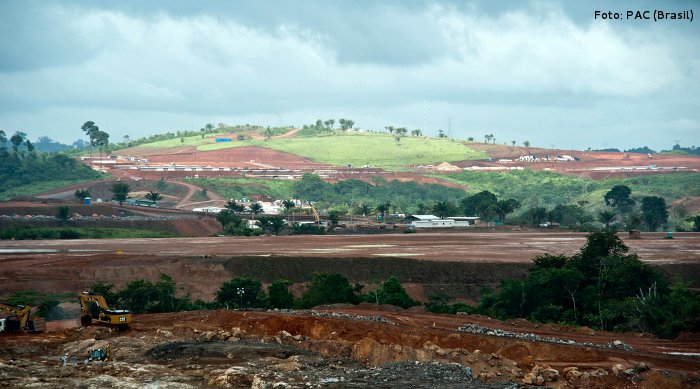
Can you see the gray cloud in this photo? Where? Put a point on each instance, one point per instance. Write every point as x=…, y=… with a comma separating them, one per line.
x=544, y=71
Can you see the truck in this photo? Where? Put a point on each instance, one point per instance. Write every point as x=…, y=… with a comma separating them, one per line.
x=95, y=310
x=20, y=319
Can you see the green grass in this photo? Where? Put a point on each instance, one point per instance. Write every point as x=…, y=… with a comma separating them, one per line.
x=378, y=150
x=38, y=233
x=121, y=233
x=189, y=141
x=37, y=187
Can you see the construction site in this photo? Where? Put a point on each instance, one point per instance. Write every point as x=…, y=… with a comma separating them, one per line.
x=330, y=346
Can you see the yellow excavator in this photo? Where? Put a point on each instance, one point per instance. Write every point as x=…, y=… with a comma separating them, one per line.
x=94, y=310
x=20, y=319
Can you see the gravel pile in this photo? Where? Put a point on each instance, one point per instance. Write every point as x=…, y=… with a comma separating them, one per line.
x=478, y=329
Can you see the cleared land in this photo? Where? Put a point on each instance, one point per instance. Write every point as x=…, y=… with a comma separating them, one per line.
x=456, y=264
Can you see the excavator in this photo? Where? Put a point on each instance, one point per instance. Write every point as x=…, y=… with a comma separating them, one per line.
x=20, y=319
x=94, y=310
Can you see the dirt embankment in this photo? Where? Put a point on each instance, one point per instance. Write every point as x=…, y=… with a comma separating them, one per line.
x=331, y=348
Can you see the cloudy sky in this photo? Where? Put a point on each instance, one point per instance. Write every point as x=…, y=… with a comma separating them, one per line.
x=543, y=71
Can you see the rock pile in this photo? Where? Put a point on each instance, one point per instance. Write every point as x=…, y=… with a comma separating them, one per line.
x=478, y=329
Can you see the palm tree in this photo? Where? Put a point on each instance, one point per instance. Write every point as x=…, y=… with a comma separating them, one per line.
x=442, y=209
x=606, y=217
x=255, y=209
x=235, y=207
x=153, y=196
x=288, y=205
x=383, y=208
x=364, y=209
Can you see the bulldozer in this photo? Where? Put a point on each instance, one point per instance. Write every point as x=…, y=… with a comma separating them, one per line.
x=94, y=310
x=20, y=319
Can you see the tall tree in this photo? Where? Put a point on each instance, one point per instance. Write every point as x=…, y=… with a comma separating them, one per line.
x=255, y=209
x=16, y=140
x=619, y=196
x=288, y=205
x=654, y=211
x=383, y=208
x=606, y=217
x=235, y=207
x=442, y=209
x=505, y=207
x=120, y=192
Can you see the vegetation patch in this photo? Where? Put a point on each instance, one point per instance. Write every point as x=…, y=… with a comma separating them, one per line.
x=377, y=150
x=37, y=233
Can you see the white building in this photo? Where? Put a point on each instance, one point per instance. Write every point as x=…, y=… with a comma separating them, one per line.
x=432, y=221
x=429, y=221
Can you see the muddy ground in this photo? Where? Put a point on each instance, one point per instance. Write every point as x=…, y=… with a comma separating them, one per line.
x=457, y=265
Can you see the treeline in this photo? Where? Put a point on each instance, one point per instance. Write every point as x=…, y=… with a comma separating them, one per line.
x=603, y=287
x=141, y=296
x=322, y=127
x=19, y=168
x=401, y=196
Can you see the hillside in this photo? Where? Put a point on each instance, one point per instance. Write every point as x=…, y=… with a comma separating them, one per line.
x=337, y=148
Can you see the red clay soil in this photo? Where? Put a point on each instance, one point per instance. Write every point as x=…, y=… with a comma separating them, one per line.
x=456, y=264
x=241, y=157
x=414, y=330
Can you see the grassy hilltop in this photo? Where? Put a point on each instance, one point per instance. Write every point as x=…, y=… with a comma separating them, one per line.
x=339, y=148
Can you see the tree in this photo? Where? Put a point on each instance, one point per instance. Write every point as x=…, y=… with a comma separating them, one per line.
x=383, y=208
x=63, y=213
x=442, y=209
x=235, y=207
x=209, y=127
x=654, y=211
x=416, y=132
x=329, y=123
x=505, y=207
x=364, y=209
x=271, y=223
x=512, y=142
x=3, y=139
x=441, y=134
x=482, y=204
x=153, y=196
x=619, y=196
x=255, y=208
x=536, y=215
x=334, y=217
x=228, y=218
x=120, y=192
x=526, y=143
x=606, y=217
x=346, y=124
x=391, y=292
x=30, y=146
x=241, y=290
x=81, y=194
x=327, y=289
x=278, y=295
x=268, y=133
x=289, y=204
x=16, y=140
x=100, y=140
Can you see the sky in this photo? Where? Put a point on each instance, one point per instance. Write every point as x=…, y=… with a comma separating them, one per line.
x=549, y=72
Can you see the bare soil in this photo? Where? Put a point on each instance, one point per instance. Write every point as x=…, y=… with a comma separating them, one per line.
x=331, y=347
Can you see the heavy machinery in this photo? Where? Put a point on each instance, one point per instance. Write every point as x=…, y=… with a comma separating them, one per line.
x=20, y=319
x=94, y=310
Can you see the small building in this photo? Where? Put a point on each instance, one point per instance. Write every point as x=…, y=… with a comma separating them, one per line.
x=465, y=221
x=220, y=140
x=429, y=221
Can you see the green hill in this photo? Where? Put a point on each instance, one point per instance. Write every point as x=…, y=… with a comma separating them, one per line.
x=380, y=150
